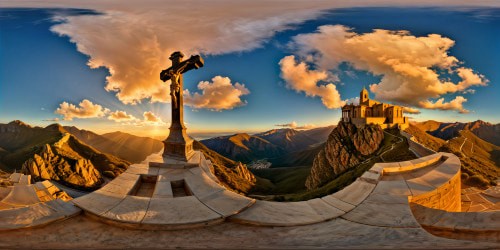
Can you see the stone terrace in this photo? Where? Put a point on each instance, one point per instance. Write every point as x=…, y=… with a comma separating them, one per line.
x=402, y=204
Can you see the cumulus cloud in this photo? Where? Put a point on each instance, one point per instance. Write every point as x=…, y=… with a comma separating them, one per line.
x=409, y=110
x=85, y=109
x=151, y=119
x=412, y=69
x=302, y=79
x=220, y=94
x=133, y=41
x=455, y=104
x=294, y=125
x=121, y=116
x=148, y=119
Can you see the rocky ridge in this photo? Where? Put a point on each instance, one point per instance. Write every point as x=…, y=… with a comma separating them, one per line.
x=346, y=147
x=52, y=164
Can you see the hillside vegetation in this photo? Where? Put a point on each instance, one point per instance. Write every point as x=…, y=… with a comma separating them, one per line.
x=480, y=159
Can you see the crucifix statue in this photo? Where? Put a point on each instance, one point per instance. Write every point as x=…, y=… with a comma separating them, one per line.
x=178, y=145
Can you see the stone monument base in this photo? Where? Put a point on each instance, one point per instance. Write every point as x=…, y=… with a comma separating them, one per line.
x=180, y=151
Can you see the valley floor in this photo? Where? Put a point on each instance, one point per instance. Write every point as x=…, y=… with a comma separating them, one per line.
x=83, y=232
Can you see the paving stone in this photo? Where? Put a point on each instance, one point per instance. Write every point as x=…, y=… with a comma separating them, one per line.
x=132, y=209
x=434, y=178
x=393, y=187
x=137, y=169
x=268, y=213
x=419, y=186
x=377, y=168
x=426, y=216
x=178, y=211
x=173, y=174
x=382, y=214
x=387, y=198
x=470, y=221
x=4, y=191
x=22, y=195
x=342, y=205
x=227, y=203
x=7, y=206
x=63, y=207
x=324, y=209
x=29, y=216
x=370, y=177
x=14, y=177
x=98, y=202
x=426, y=160
x=202, y=186
x=163, y=189
x=355, y=193
x=126, y=176
x=24, y=180
x=43, y=185
x=493, y=192
x=118, y=189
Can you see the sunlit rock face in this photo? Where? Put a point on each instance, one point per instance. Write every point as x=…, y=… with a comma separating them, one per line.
x=51, y=165
x=346, y=147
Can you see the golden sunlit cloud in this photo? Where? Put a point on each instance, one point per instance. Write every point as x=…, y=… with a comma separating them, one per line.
x=134, y=44
x=85, y=109
x=409, y=110
x=152, y=119
x=455, y=104
x=121, y=116
x=301, y=79
x=411, y=67
x=220, y=94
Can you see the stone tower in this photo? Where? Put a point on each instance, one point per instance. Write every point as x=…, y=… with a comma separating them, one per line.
x=363, y=96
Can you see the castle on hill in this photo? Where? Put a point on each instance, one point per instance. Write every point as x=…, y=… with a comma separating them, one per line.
x=373, y=112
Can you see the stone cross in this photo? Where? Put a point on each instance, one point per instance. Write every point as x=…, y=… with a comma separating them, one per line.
x=178, y=145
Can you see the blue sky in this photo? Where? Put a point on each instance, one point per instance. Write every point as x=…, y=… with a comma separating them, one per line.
x=40, y=69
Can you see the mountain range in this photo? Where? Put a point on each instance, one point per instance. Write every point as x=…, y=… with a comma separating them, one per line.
x=123, y=145
x=476, y=144
x=53, y=153
x=279, y=146
x=82, y=159
x=484, y=130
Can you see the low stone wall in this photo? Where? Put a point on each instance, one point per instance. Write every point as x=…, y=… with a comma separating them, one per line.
x=446, y=197
x=416, y=147
x=483, y=226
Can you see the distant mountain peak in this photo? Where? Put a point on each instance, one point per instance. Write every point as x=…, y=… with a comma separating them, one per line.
x=56, y=127
x=19, y=123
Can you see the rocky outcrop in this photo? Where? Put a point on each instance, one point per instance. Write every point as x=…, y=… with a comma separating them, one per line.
x=233, y=175
x=48, y=164
x=243, y=172
x=346, y=147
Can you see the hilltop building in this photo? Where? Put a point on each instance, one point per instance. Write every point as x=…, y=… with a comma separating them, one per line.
x=373, y=112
